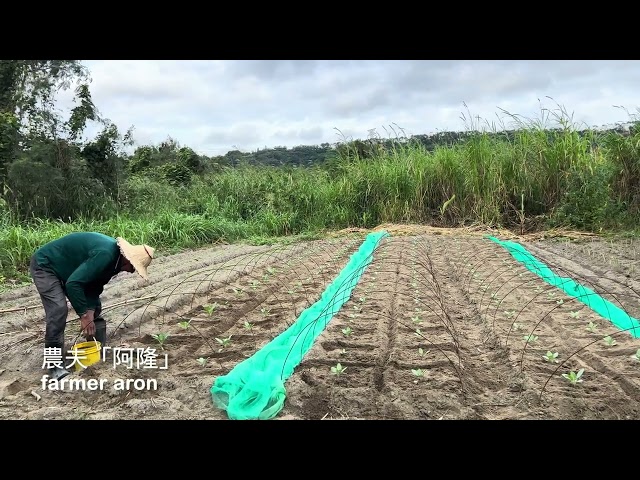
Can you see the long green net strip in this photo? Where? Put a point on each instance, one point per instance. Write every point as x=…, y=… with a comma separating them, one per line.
x=619, y=317
x=254, y=389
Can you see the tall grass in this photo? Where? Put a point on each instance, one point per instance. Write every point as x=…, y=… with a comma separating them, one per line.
x=547, y=170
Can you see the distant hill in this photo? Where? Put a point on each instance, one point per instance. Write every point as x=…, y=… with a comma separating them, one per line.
x=316, y=155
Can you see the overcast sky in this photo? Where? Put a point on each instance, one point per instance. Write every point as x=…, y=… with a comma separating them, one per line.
x=215, y=106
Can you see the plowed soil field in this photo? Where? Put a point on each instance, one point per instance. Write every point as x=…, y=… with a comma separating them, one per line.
x=442, y=324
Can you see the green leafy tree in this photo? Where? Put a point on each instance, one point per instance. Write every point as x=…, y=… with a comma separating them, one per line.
x=105, y=158
x=190, y=159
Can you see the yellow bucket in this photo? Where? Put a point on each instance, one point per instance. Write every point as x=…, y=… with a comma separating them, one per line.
x=85, y=354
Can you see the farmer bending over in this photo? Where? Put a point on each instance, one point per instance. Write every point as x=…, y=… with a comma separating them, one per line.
x=78, y=266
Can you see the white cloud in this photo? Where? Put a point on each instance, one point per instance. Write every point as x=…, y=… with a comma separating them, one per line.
x=217, y=106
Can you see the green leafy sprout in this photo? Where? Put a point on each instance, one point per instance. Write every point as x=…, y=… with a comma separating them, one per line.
x=418, y=372
x=161, y=338
x=210, y=308
x=338, y=369
x=224, y=342
x=573, y=377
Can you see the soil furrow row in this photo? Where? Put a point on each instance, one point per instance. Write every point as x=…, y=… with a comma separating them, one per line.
x=440, y=326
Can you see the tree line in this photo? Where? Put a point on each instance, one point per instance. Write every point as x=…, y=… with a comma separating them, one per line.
x=48, y=171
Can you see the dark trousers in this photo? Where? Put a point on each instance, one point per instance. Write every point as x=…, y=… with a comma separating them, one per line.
x=54, y=301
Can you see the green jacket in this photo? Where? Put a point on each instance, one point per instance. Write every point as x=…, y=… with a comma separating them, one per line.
x=84, y=262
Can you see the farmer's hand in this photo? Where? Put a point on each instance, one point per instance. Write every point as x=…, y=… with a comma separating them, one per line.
x=87, y=325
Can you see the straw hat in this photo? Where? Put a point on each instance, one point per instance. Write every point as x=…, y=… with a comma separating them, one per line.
x=140, y=256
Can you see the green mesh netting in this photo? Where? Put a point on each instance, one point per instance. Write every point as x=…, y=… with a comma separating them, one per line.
x=608, y=310
x=254, y=389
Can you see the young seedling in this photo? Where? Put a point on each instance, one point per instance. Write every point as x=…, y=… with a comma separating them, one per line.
x=343, y=352
x=248, y=325
x=574, y=314
x=347, y=331
x=265, y=311
x=416, y=320
x=210, y=308
x=184, y=325
x=338, y=369
x=422, y=352
x=610, y=341
x=161, y=338
x=510, y=314
x=202, y=361
x=224, y=342
x=592, y=327
x=573, y=377
x=418, y=373
x=636, y=356
x=530, y=338
x=551, y=357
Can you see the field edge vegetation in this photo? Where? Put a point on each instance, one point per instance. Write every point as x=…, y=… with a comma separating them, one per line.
x=541, y=173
